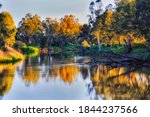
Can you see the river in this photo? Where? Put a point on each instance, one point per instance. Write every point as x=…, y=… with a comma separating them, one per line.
x=62, y=77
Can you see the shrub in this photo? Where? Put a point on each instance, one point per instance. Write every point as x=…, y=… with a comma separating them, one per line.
x=85, y=44
x=30, y=50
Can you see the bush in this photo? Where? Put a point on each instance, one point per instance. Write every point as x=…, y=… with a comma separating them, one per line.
x=85, y=44
x=30, y=50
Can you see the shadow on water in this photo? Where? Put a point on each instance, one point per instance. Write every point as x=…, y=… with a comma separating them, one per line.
x=103, y=82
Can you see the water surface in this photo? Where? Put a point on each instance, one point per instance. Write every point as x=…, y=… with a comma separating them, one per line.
x=60, y=77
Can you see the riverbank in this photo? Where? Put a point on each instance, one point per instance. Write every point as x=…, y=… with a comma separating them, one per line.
x=110, y=55
x=138, y=50
x=9, y=54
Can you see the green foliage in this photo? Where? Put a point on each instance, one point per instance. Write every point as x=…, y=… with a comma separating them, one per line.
x=143, y=17
x=118, y=48
x=117, y=27
x=30, y=50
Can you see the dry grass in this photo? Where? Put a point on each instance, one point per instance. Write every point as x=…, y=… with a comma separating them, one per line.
x=10, y=55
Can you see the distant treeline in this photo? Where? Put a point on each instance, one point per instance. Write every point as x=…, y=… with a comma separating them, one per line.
x=125, y=23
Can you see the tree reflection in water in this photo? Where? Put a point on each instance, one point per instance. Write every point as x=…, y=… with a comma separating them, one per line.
x=120, y=83
x=7, y=72
x=103, y=82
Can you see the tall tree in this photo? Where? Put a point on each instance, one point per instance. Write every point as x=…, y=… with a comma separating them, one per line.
x=52, y=29
x=7, y=29
x=29, y=27
x=143, y=17
x=70, y=27
x=124, y=18
x=96, y=10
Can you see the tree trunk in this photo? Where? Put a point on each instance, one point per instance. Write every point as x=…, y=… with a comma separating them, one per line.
x=128, y=45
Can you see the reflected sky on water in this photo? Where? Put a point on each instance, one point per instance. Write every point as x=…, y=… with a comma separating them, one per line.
x=61, y=77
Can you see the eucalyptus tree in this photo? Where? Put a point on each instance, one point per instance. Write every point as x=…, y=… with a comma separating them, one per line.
x=51, y=31
x=29, y=27
x=96, y=10
x=143, y=17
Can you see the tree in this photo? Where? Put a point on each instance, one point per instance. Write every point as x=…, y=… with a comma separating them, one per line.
x=7, y=29
x=96, y=10
x=143, y=17
x=124, y=16
x=30, y=26
x=85, y=30
x=102, y=28
x=52, y=29
x=69, y=26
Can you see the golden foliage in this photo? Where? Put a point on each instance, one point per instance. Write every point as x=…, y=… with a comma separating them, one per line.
x=69, y=26
x=6, y=77
x=7, y=29
x=31, y=25
x=31, y=75
x=85, y=44
x=66, y=73
x=109, y=18
x=10, y=55
x=119, y=83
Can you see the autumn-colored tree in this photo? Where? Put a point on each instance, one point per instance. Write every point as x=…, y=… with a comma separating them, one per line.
x=29, y=27
x=69, y=26
x=7, y=29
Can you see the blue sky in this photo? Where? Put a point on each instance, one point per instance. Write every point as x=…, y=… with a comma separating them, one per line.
x=45, y=8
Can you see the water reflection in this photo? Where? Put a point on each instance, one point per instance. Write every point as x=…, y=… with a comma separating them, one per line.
x=65, y=73
x=100, y=81
x=7, y=72
x=120, y=83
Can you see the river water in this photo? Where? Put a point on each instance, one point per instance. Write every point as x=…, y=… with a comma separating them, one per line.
x=60, y=77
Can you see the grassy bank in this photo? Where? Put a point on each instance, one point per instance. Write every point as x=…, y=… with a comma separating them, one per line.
x=8, y=54
x=138, y=50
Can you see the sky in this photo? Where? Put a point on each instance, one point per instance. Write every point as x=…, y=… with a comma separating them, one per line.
x=51, y=8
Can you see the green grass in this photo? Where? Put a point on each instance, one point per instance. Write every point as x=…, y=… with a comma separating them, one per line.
x=138, y=50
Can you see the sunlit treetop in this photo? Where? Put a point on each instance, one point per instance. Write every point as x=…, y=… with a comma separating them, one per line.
x=7, y=29
x=70, y=26
x=124, y=2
